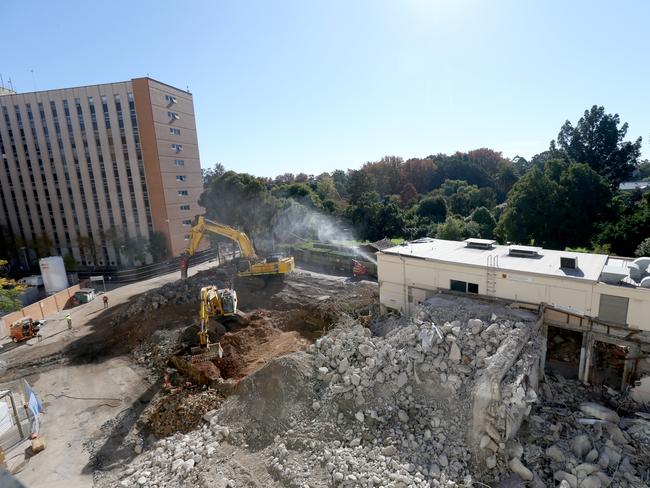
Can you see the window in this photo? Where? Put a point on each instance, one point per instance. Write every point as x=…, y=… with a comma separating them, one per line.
x=181, y=177
x=174, y=130
x=187, y=222
x=173, y=115
x=177, y=147
x=179, y=162
x=186, y=237
x=182, y=193
x=463, y=286
x=170, y=99
x=185, y=207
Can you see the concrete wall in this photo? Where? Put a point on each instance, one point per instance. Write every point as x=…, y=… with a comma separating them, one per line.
x=41, y=309
x=400, y=275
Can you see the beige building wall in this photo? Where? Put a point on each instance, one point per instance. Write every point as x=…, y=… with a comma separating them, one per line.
x=73, y=165
x=404, y=281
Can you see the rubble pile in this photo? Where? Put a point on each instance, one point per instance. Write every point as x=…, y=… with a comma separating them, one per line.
x=585, y=444
x=409, y=394
x=177, y=292
x=173, y=461
x=181, y=411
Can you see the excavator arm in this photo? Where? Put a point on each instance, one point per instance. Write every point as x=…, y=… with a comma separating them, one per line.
x=204, y=225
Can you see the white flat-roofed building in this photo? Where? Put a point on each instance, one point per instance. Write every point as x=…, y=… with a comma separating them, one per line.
x=612, y=290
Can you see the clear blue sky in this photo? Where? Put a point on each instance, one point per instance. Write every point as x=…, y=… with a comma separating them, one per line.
x=311, y=86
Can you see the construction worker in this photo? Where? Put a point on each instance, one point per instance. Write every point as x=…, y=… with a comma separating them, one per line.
x=68, y=319
x=105, y=300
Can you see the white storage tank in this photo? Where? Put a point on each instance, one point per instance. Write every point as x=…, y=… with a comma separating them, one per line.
x=53, y=272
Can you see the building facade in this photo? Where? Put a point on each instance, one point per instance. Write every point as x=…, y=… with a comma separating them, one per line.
x=612, y=290
x=94, y=171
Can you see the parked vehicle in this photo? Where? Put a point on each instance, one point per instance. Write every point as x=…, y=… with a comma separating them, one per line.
x=24, y=329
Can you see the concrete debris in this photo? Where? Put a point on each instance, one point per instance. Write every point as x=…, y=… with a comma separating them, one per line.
x=612, y=449
x=449, y=398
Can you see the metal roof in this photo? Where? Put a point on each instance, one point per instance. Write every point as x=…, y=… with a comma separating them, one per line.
x=547, y=263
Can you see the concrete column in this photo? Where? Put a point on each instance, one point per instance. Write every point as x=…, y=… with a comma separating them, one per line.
x=588, y=344
x=629, y=365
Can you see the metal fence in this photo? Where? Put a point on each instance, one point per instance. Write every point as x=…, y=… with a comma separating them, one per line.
x=151, y=270
x=15, y=419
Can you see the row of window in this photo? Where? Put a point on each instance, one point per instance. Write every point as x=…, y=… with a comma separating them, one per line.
x=175, y=131
x=177, y=147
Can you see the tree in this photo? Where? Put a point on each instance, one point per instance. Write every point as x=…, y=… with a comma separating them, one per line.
x=157, y=247
x=70, y=262
x=386, y=174
x=531, y=211
x=643, y=250
x=326, y=189
x=88, y=249
x=452, y=229
x=210, y=173
x=624, y=233
x=42, y=245
x=433, y=208
x=359, y=182
x=598, y=141
x=407, y=195
x=421, y=173
x=558, y=207
x=9, y=291
x=240, y=200
x=486, y=223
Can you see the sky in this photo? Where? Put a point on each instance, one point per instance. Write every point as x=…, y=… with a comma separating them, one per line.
x=312, y=86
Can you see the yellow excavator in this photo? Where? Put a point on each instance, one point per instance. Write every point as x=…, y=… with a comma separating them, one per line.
x=219, y=304
x=248, y=264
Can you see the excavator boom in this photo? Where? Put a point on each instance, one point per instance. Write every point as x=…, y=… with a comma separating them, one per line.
x=251, y=265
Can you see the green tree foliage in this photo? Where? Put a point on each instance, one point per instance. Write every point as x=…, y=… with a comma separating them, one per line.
x=213, y=172
x=42, y=245
x=598, y=141
x=157, y=247
x=452, y=229
x=9, y=291
x=557, y=207
x=240, y=200
x=433, y=208
x=643, y=249
x=88, y=248
x=375, y=218
x=358, y=183
x=70, y=263
x=485, y=221
x=625, y=233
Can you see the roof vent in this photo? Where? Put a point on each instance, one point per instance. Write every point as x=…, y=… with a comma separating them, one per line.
x=569, y=262
x=479, y=243
x=524, y=251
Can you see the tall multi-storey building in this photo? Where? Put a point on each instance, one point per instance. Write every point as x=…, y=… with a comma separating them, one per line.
x=84, y=165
